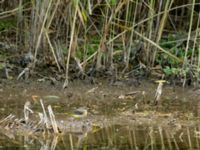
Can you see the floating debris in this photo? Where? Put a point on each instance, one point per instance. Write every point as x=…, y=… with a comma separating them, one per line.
x=121, y=96
x=92, y=90
x=51, y=97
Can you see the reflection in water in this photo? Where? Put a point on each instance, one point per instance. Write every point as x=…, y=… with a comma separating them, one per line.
x=113, y=137
x=162, y=131
x=49, y=144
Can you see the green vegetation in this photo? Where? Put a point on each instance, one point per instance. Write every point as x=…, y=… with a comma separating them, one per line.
x=104, y=33
x=6, y=25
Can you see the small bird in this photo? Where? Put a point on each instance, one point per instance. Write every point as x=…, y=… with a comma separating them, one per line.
x=80, y=113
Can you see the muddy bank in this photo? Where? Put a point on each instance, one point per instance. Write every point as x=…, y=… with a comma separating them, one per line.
x=100, y=98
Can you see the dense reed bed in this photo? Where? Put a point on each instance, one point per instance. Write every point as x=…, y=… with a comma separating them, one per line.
x=121, y=37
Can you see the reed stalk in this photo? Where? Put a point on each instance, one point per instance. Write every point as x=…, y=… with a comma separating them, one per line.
x=71, y=45
x=185, y=62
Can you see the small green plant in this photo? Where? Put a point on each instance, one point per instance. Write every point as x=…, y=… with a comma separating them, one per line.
x=170, y=71
x=7, y=24
x=172, y=67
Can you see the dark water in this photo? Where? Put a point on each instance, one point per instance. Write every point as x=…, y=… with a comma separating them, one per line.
x=115, y=137
x=144, y=128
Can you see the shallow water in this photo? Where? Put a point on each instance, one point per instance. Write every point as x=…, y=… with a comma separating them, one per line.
x=174, y=124
x=114, y=137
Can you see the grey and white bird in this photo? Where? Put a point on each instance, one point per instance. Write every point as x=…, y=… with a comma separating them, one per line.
x=80, y=113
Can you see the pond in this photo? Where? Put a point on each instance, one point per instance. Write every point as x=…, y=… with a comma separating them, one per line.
x=119, y=117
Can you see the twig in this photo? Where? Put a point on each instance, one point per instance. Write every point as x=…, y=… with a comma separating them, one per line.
x=27, y=110
x=26, y=70
x=53, y=120
x=45, y=114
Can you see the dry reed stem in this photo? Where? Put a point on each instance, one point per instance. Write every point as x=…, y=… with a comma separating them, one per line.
x=185, y=62
x=53, y=51
x=168, y=5
x=42, y=30
x=157, y=46
x=70, y=46
x=53, y=120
